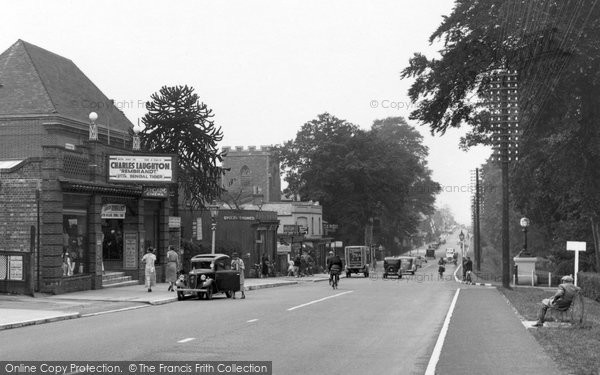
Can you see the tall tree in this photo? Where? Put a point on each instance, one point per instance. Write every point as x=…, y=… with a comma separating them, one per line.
x=178, y=123
x=360, y=175
x=553, y=45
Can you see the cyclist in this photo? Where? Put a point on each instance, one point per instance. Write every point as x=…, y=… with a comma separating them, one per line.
x=334, y=266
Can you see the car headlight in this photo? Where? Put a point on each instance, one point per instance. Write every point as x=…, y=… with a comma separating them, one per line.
x=203, y=277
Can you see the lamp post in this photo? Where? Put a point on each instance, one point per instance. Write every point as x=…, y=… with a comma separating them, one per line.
x=136, y=137
x=524, y=224
x=214, y=213
x=93, y=127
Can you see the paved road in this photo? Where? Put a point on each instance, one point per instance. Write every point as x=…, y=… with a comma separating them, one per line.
x=366, y=326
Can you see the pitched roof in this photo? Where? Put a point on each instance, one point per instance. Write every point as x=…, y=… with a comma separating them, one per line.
x=36, y=81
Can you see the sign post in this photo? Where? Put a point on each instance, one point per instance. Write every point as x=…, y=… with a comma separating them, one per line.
x=576, y=246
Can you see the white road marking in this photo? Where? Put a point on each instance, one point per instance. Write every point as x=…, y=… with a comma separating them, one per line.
x=437, y=350
x=114, y=311
x=252, y=320
x=319, y=300
x=186, y=340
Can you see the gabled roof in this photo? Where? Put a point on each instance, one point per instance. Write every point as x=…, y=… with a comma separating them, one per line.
x=36, y=81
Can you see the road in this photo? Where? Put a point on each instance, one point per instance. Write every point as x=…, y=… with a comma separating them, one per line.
x=368, y=325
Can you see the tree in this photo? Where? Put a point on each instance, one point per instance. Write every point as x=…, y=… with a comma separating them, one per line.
x=359, y=176
x=553, y=46
x=178, y=123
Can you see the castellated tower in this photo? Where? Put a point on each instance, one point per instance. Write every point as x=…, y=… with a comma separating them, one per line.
x=253, y=175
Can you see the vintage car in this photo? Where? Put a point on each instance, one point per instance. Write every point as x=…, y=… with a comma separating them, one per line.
x=209, y=274
x=408, y=265
x=392, y=267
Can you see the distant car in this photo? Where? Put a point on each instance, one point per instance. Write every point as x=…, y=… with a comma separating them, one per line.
x=450, y=254
x=210, y=274
x=408, y=265
x=419, y=260
x=391, y=267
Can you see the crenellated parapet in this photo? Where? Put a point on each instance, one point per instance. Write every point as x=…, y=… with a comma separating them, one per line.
x=250, y=150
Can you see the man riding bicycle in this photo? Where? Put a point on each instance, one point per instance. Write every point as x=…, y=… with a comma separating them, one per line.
x=334, y=266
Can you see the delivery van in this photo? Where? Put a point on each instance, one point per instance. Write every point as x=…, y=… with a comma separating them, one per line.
x=357, y=260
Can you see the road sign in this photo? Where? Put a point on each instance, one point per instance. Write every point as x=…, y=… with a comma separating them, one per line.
x=576, y=246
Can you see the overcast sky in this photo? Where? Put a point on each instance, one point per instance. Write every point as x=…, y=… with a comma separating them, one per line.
x=264, y=67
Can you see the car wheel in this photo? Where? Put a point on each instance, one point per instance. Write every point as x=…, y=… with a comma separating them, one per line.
x=209, y=294
x=180, y=296
x=228, y=294
x=366, y=274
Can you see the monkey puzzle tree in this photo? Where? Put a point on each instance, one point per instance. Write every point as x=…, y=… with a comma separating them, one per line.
x=178, y=123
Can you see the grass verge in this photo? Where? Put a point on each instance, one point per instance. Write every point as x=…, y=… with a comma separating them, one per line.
x=576, y=349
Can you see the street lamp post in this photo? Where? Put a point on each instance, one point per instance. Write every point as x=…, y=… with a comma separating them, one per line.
x=524, y=224
x=214, y=213
x=136, y=137
x=93, y=127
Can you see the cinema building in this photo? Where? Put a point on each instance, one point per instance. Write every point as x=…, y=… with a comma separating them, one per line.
x=78, y=205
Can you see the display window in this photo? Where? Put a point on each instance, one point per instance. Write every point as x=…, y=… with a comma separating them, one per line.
x=75, y=242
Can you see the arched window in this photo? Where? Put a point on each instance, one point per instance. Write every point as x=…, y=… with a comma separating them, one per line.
x=246, y=176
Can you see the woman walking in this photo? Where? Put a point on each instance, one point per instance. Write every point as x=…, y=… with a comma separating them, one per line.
x=149, y=259
x=172, y=267
x=238, y=265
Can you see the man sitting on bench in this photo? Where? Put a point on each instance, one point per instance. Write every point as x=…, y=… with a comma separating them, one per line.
x=561, y=301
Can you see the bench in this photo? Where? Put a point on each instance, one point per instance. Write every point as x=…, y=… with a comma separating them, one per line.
x=574, y=314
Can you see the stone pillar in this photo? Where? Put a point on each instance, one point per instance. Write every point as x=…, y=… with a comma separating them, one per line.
x=95, y=241
x=526, y=267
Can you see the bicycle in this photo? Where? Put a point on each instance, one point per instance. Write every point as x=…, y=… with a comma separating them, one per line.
x=334, y=280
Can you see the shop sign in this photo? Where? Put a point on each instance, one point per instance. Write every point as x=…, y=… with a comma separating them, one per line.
x=239, y=218
x=174, y=222
x=131, y=251
x=284, y=249
x=15, y=267
x=155, y=192
x=291, y=229
x=113, y=211
x=197, y=229
x=140, y=168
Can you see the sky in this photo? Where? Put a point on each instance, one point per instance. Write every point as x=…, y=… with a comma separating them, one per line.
x=264, y=67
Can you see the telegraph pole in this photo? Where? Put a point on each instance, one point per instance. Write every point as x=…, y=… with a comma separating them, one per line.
x=505, y=125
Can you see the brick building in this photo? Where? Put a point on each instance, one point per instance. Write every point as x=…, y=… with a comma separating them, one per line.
x=253, y=174
x=66, y=217
x=253, y=183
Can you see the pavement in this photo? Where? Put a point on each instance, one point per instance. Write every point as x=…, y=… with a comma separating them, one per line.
x=482, y=334
x=20, y=310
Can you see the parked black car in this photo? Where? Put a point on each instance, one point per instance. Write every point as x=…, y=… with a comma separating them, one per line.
x=392, y=267
x=209, y=274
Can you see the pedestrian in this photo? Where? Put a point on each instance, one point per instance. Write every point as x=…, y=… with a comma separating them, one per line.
x=561, y=300
x=150, y=273
x=297, y=264
x=441, y=267
x=264, y=268
x=290, y=270
x=468, y=270
x=172, y=267
x=238, y=265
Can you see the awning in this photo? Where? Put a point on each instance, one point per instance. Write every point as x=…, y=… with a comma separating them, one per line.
x=8, y=164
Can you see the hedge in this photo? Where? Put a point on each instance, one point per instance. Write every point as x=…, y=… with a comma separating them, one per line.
x=590, y=284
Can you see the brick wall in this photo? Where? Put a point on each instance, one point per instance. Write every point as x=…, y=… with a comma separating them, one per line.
x=264, y=172
x=18, y=210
